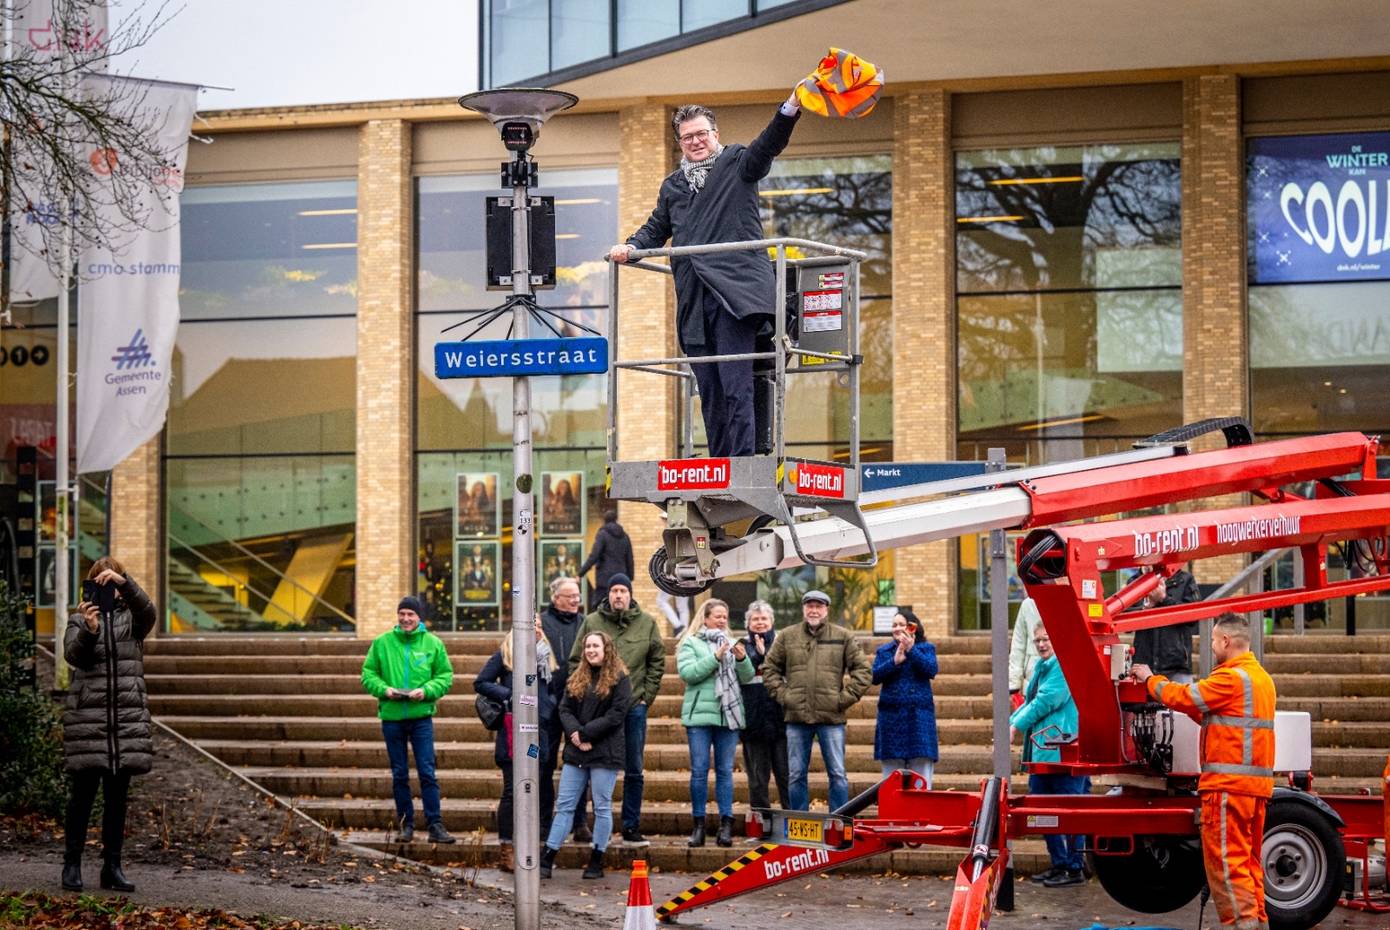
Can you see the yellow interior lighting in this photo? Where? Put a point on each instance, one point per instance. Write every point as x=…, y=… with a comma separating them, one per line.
x=795, y=191
x=1011, y=182
x=344, y=211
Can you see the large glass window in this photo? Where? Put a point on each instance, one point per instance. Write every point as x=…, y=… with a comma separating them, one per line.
x=260, y=475
x=1319, y=273
x=644, y=21
x=1068, y=309
x=1069, y=297
x=518, y=37
x=464, y=427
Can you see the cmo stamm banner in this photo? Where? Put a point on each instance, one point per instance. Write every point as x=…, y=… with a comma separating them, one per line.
x=128, y=304
x=1319, y=208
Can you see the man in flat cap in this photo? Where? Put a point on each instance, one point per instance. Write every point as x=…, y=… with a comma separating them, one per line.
x=817, y=672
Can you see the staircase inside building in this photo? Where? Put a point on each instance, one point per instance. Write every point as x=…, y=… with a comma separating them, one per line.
x=289, y=713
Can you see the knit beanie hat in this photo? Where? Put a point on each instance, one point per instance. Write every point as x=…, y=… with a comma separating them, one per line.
x=411, y=602
x=618, y=578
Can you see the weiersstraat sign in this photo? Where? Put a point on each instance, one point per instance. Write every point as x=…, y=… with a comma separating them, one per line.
x=499, y=358
x=1319, y=208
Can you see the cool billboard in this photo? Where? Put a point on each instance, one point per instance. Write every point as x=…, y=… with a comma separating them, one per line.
x=1319, y=208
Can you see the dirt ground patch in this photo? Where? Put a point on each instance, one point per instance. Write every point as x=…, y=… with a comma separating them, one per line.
x=198, y=837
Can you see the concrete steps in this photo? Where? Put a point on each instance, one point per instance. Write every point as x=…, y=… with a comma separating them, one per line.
x=289, y=712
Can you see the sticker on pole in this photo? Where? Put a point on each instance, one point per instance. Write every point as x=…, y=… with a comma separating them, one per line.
x=811, y=480
x=503, y=358
x=692, y=475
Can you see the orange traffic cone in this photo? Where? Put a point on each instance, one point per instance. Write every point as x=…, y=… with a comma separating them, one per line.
x=640, y=915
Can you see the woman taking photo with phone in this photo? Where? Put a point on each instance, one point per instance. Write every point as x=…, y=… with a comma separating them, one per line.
x=905, y=736
x=713, y=666
x=106, y=726
x=592, y=713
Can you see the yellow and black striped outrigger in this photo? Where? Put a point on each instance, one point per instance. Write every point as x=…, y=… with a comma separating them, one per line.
x=715, y=878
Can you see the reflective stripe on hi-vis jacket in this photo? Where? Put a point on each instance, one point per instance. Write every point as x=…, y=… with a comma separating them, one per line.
x=1235, y=706
x=845, y=86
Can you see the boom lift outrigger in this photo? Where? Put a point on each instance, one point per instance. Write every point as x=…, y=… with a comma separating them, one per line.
x=1143, y=834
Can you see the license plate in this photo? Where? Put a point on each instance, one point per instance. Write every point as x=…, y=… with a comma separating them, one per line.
x=805, y=831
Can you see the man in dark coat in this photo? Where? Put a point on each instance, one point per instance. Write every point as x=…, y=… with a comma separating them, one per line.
x=725, y=298
x=611, y=555
x=1168, y=649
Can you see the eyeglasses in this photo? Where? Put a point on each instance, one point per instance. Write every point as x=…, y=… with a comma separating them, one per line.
x=691, y=138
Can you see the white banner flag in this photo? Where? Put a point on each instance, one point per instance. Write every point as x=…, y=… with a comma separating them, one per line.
x=128, y=305
x=38, y=35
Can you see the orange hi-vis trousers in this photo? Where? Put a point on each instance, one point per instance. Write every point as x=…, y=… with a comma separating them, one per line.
x=1233, y=827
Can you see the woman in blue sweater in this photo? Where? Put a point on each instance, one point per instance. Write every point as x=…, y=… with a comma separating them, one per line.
x=905, y=737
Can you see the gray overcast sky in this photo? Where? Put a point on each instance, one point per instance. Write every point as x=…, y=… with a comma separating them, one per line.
x=286, y=52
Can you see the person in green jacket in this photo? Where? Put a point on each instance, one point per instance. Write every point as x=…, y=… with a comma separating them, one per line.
x=407, y=670
x=639, y=644
x=714, y=667
x=816, y=671
x=1049, y=713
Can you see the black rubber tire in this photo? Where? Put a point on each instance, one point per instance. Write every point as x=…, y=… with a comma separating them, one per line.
x=1161, y=874
x=656, y=567
x=1303, y=859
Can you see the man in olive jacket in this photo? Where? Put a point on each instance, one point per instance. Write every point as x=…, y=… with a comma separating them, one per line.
x=407, y=670
x=639, y=645
x=816, y=671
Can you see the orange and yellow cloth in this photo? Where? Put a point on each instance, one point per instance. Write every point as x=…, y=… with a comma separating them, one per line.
x=844, y=86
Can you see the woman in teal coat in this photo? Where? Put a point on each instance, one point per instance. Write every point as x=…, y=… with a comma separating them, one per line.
x=713, y=667
x=1049, y=713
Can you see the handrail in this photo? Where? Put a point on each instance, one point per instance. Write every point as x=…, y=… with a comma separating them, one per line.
x=269, y=599
x=240, y=548
x=747, y=245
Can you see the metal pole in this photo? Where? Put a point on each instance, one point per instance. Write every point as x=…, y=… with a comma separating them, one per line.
x=525, y=729
x=61, y=595
x=999, y=662
x=1300, y=615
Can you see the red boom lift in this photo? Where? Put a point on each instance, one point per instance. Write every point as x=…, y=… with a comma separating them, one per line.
x=1143, y=833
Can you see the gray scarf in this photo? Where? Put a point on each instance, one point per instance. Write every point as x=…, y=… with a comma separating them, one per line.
x=543, y=658
x=696, y=171
x=726, y=685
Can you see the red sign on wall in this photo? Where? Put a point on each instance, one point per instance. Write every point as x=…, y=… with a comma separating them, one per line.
x=692, y=474
x=820, y=480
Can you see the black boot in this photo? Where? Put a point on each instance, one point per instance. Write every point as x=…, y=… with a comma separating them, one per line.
x=595, y=867
x=113, y=879
x=547, y=860
x=725, y=837
x=697, y=834
x=72, y=876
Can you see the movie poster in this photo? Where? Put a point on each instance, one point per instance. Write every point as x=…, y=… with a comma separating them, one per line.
x=47, y=579
x=477, y=567
x=562, y=503
x=476, y=509
x=559, y=558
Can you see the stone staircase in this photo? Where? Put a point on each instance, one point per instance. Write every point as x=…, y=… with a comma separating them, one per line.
x=289, y=713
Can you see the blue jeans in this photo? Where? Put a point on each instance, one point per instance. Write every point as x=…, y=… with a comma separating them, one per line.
x=1064, y=850
x=723, y=742
x=635, y=735
x=418, y=736
x=832, y=749
x=921, y=765
x=573, y=778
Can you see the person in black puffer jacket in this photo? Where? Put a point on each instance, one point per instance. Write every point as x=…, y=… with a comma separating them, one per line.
x=106, y=726
x=611, y=555
x=764, y=732
x=592, y=715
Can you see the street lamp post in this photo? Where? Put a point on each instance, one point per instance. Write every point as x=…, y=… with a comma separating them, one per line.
x=519, y=115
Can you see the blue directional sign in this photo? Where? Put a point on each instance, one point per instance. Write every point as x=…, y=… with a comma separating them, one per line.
x=880, y=476
x=509, y=358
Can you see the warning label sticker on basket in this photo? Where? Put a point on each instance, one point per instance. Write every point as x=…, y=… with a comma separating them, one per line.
x=832, y=279
x=821, y=300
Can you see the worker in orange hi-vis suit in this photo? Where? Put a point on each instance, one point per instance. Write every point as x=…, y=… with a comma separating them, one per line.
x=1235, y=706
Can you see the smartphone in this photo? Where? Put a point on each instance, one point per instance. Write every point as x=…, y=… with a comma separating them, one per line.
x=102, y=595
x=912, y=629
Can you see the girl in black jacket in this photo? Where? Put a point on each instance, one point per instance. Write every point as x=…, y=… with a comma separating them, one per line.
x=764, y=732
x=106, y=727
x=495, y=681
x=592, y=714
